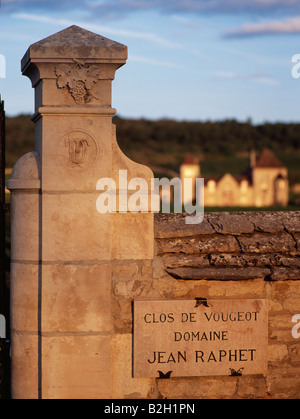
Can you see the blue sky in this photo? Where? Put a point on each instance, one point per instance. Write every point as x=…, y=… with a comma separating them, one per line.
x=188, y=59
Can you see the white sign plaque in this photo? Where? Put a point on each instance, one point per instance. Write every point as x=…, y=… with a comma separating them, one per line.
x=177, y=338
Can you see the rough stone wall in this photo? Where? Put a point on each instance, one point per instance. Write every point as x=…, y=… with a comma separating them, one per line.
x=229, y=255
x=231, y=246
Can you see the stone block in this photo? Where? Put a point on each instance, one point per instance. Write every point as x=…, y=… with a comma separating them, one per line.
x=168, y=287
x=266, y=222
x=292, y=304
x=267, y=243
x=297, y=239
x=24, y=296
x=283, y=274
x=132, y=236
x=198, y=388
x=277, y=352
x=60, y=136
x=25, y=226
x=180, y=261
x=173, y=225
x=147, y=270
x=291, y=221
x=284, y=387
x=252, y=288
x=122, y=383
x=202, y=245
x=73, y=230
x=124, y=269
x=261, y=260
x=24, y=375
x=252, y=387
x=230, y=223
x=132, y=288
x=281, y=320
x=226, y=274
x=76, y=367
x=76, y=298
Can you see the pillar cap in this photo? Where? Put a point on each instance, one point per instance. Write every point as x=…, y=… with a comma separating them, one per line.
x=75, y=42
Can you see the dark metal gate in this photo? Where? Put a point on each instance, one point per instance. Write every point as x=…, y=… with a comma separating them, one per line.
x=4, y=292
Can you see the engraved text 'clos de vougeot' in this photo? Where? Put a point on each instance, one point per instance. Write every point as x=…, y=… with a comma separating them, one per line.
x=181, y=338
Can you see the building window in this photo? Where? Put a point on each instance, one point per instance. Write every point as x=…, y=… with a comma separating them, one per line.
x=244, y=186
x=211, y=186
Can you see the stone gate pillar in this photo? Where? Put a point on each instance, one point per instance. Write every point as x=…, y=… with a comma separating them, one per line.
x=62, y=247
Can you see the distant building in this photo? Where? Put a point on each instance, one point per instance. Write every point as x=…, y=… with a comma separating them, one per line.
x=265, y=184
x=189, y=168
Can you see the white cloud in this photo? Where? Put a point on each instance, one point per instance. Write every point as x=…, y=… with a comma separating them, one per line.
x=286, y=26
x=258, y=77
x=119, y=8
x=103, y=30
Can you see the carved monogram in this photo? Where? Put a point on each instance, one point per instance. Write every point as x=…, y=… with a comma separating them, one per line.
x=77, y=150
x=78, y=79
x=80, y=149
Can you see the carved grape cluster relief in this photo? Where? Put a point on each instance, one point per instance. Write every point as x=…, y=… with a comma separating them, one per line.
x=78, y=79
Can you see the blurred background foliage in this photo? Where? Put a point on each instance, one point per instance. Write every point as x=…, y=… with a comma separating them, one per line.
x=221, y=146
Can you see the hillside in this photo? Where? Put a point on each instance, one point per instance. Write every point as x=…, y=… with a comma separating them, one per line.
x=221, y=146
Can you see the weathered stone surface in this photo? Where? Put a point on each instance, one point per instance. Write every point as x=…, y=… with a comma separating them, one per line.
x=277, y=352
x=24, y=374
x=185, y=260
x=227, y=274
x=75, y=298
x=267, y=222
x=77, y=366
x=297, y=238
x=281, y=274
x=173, y=225
x=132, y=288
x=124, y=269
x=206, y=244
x=204, y=388
x=292, y=304
x=276, y=259
x=230, y=223
x=267, y=243
x=75, y=42
x=123, y=385
x=23, y=292
x=243, y=245
x=252, y=387
x=59, y=227
x=291, y=221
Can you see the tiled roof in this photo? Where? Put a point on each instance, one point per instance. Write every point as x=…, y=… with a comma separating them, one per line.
x=268, y=159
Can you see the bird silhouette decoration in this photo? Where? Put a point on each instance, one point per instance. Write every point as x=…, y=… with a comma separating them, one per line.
x=235, y=373
x=201, y=302
x=162, y=375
